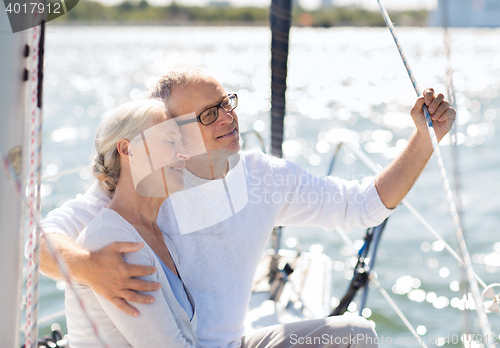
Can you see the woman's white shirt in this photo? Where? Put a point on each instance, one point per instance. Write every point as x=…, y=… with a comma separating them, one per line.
x=163, y=323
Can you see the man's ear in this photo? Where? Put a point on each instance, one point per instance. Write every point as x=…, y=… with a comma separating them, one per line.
x=124, y=150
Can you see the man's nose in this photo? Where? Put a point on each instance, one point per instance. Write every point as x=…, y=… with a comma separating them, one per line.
x=224, y=116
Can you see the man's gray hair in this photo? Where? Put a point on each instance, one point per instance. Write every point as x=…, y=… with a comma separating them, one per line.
x=180, y=77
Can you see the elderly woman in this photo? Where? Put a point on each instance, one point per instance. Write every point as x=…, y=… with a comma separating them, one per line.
x=139, y=163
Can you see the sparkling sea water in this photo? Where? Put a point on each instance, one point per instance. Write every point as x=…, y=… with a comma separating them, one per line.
x=344, y=84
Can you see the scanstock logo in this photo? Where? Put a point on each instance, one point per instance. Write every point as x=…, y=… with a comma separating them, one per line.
x=158, y=158
x=25, y=14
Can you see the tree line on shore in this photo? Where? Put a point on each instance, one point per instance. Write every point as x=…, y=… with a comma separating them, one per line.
x=141, y=12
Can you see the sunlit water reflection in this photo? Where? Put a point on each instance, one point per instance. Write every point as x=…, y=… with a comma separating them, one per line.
x=345, y=84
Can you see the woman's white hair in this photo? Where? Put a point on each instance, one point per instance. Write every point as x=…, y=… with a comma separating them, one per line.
x=125, y=122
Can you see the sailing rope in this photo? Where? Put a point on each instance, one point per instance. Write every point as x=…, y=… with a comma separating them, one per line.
x=35, y=163
x=483, y=320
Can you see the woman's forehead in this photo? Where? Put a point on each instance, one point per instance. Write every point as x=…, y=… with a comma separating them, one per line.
x=161, y=127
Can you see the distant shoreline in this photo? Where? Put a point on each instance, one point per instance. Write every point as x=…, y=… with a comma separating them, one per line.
x=143, y=14
x=156, y=23
x=202, y=24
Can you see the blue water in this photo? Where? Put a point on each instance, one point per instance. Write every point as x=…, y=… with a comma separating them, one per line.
x=344, y=84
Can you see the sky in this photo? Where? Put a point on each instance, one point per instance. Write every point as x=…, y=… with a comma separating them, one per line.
x=309, y=4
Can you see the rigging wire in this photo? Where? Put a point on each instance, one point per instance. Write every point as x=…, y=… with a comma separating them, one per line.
x=52, y=316
x=454, y=144
x=64, y=173
x=347, y=240
x=376, y=169
x=483, y=320
x=398, y=311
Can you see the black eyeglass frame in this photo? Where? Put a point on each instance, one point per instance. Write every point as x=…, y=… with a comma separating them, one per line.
x=218, y=106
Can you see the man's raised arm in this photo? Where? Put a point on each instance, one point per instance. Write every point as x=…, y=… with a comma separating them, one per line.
x=397, y=179
x=103, y=270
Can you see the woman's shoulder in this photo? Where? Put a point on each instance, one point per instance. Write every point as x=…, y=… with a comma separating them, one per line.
x=107, y=227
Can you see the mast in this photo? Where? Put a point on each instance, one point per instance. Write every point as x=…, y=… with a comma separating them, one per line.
x=280, y=19
x=280, y=30
x=13, y=101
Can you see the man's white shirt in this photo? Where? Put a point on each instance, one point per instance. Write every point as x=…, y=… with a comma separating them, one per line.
x=220, y=228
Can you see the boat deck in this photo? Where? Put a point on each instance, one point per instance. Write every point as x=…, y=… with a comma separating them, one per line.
x=305, y=294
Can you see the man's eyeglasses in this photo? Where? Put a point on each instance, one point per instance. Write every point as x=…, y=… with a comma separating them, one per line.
x=211, y=114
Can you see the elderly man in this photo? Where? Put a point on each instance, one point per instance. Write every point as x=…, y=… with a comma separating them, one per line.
x=220, y=241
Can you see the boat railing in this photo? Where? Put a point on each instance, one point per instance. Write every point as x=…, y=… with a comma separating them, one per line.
x=64, y=173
